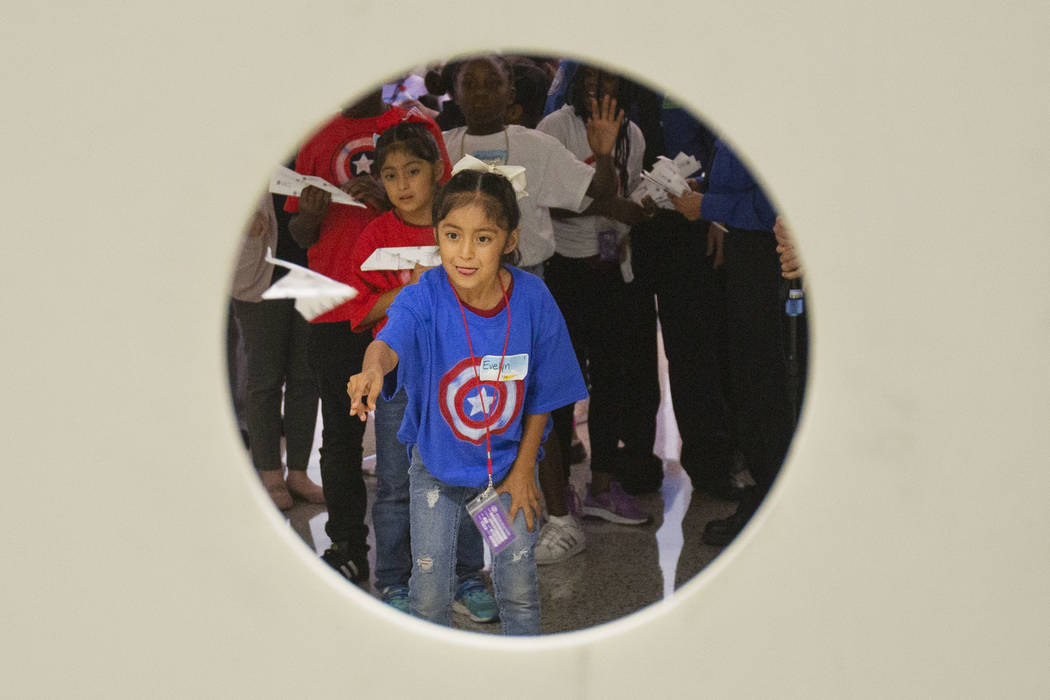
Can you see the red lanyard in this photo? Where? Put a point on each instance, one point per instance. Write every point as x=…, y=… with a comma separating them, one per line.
x=474, y=364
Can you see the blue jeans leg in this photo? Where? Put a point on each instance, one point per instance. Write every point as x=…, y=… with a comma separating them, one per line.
x=470, y=557
x=390, y=510
x=436, y=510
x=514, y=579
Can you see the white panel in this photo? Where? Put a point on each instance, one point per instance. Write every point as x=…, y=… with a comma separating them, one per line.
x=903, y=553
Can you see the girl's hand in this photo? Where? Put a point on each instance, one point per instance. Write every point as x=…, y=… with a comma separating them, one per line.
x=603, y=126
x=651, y=207
x=313, y=201
x=687, y=204
x=366, y=384
x=416, y=272
x=520, y=483
x=367, y=191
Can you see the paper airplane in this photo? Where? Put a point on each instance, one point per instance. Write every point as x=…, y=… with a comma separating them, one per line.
x=402, y=258
x=285, y=181
x=313, y=292
x=666, y=176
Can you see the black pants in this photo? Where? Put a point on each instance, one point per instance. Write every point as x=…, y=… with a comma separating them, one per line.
x=612, y=326
x=763, y=418
x=335, y=353
x=670, y=256
x=276, y=337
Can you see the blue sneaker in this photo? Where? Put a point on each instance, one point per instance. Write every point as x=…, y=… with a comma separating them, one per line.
x=473, y=599
x=396, y=597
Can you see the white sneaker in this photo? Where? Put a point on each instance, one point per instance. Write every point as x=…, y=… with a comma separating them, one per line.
x=558, y=541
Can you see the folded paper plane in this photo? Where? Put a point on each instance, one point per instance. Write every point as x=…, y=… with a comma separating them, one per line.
x=402, y=258
x=666, y=176
x=289, y=182
x=313, y=292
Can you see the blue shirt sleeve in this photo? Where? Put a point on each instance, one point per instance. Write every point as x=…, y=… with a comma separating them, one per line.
x=402, y=334
x=734, y=197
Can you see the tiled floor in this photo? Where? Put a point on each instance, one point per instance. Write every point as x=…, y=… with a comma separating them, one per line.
x=623, y=568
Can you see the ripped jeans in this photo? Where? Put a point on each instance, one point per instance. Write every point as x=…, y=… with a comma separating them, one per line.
x=436, y=510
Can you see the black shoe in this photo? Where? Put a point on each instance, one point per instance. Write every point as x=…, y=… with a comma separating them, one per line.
x=354, y=570
x=724, y=489
x=719, y=533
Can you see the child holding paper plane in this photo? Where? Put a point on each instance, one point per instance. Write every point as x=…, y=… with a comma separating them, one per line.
x=410, y=167
x=484, y=356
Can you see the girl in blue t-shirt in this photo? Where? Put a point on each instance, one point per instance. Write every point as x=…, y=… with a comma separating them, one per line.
x=484, y=356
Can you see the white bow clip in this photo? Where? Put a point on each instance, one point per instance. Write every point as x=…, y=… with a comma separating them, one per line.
x=514, y=173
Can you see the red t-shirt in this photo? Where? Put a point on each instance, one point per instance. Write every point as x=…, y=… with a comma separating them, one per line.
x=386, y=231
x=341, y=149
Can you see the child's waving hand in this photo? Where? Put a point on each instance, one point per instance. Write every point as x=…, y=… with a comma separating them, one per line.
x=603, y=126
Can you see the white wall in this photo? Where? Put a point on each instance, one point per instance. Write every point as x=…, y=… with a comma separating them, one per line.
x=903, y=554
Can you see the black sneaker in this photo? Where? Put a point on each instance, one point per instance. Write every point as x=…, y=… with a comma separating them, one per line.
x=338, y=557
x=719, y=533
x=726, y=488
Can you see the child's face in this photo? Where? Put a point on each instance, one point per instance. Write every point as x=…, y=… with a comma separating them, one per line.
x=597, y=83
x=410, y=181
x=471, y=245
x=483, y=93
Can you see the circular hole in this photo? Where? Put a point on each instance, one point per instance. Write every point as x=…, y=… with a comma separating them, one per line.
x=674, y=309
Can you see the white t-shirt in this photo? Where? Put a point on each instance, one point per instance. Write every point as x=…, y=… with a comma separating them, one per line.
x=578, y=237
x=554, y=178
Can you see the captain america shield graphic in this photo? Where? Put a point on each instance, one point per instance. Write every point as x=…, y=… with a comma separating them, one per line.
x=353, y=158
x=469, y=406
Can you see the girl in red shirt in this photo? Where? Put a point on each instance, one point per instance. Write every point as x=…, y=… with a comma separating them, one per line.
x=410, y=168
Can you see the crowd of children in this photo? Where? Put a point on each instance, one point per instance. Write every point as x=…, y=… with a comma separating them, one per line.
x=548, y=284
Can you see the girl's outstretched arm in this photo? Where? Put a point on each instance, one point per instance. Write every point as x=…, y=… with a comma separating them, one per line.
x=520, y=483
x=380, y=358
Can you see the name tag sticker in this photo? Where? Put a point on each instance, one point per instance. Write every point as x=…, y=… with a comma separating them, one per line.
x=515, y=367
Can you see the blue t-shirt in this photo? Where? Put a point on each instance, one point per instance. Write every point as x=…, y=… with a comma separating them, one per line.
x=446, y=415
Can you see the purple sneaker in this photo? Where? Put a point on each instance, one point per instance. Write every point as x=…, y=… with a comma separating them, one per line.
x=615, y=506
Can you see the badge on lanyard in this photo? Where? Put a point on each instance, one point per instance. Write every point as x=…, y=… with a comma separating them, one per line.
x=515, y=367
x=490, y=516
x=607, y=246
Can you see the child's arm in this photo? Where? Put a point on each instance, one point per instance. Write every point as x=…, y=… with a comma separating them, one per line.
x=520, y=483
x=378, y=310
x=380, y=358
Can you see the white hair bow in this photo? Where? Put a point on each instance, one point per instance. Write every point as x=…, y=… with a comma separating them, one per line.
x=514, y=173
